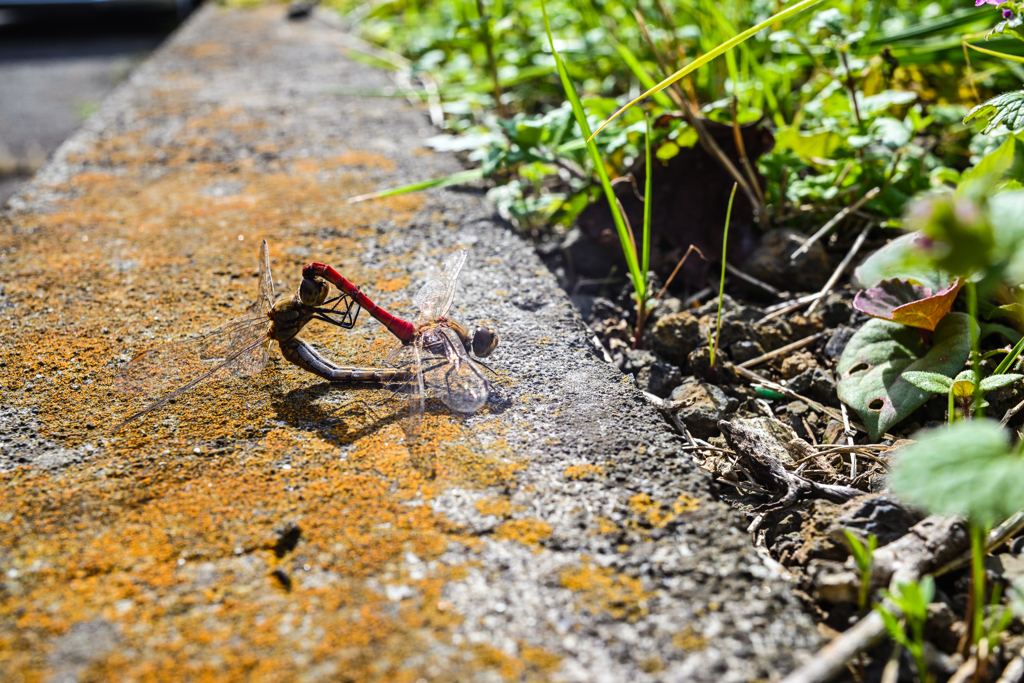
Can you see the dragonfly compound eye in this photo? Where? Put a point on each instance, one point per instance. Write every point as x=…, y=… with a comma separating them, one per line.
x=485, y=340
x=313, y=291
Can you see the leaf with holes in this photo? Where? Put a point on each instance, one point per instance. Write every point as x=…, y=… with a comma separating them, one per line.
x=871, y=368
x=905, y=302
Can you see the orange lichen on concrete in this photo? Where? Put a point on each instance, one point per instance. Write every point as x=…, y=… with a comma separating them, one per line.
x=585, y=471
x=689, y=640
x=653, y=514
x=526, y=531
x=532, y=664
x=602, y=589
x=175, y=531
x=499, y=507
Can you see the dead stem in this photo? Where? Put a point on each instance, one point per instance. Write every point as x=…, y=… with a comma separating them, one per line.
x=868, y=196
x=857, y=244
x=799, y=344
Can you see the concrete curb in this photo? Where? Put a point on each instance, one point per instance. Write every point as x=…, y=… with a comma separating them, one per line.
x=558, y=534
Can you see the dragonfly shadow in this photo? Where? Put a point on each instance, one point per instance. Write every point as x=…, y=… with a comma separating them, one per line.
x=339, y=424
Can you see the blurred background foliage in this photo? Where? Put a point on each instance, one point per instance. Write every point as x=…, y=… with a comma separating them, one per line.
x=859, y=94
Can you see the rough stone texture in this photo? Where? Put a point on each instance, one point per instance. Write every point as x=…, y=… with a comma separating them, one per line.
x=771, y=262
x=278, y=527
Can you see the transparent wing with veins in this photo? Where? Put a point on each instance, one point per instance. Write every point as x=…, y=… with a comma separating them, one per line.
x=443, y=370
x=435, y=298
x=238, y=348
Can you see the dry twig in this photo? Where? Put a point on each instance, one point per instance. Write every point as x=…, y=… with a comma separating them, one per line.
x=868, y=196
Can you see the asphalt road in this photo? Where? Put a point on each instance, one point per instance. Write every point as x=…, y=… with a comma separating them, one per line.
x=55, y=70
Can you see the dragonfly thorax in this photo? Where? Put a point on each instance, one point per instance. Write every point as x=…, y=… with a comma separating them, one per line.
x=288, y=318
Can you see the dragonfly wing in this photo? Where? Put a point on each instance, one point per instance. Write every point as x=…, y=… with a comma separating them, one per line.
x=407, y=358
x=212, y=372
x=175, y=364
x=435, y=298
x=265, y=288
x=450, y=374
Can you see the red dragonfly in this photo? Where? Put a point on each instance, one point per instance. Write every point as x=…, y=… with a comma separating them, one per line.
x=241, y=347
x=433, y=351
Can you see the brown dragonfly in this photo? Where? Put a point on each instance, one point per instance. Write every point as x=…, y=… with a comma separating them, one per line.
x=241, y=347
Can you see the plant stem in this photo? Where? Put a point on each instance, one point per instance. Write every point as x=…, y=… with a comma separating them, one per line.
x=972, y=310
x=645, y=256
x=978, y=534
x=952, y=407
x=721, y=281
x=492, y=63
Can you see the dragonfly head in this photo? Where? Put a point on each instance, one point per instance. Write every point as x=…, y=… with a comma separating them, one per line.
x=485, y=340
x=313, y=291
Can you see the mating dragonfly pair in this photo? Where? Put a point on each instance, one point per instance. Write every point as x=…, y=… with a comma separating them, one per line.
x=432, y=357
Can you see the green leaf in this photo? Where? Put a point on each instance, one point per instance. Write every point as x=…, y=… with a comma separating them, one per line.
x=901, y=258
x=872, y=365
x=892, y=626
x=454, y=179
x=1000, y=163
x=996, y=381
x=929, y=381
x=967, y=468
x=1006, y=109
x=963, y=384
x=820, y=144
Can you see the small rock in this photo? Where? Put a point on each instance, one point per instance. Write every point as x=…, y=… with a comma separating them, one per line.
x=773, y=334
x=778, y=435
x=838, y=341
x=835, y=311
x=675, y=336
x=940, y=627
x=699, y=365
x=635, y=360
x=771, y=262
x=881, y=515
x=799, y=362
x=804, y=327
x=665, y=306
x=745, y=350
x=816, y=384
x=701, y=406
x=833, y=432
x=659, y=378
x=796, y=413
x=734, y=329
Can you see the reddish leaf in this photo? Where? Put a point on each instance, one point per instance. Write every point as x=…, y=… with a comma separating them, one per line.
x=907, y=303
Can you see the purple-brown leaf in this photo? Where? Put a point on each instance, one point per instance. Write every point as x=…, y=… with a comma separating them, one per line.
x=907, y=303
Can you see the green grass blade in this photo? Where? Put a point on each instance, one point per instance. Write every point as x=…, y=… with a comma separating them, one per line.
x=712, y=54
x=721, y=280
x=1010, y=357
x=453, y=179
x=641, y=74
x=628, y=248
x=993, y=53
x=646, y=259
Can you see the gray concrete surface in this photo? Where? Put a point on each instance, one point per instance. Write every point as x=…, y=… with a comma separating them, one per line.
x=620, y=565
